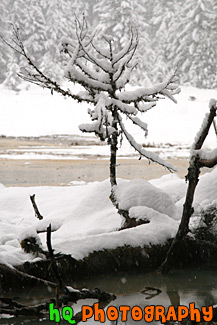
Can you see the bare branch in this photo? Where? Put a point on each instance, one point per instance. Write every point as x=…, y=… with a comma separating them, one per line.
x=39, y=77
x=37, y=213
x=90, y=57
x=209, y=163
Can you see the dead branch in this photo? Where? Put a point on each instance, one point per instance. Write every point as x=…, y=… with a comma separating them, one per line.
x=193, y=178
x=37, y=76
x=37, y=213
x=205, y=129
x=11, y=307
x=208, y=163
x=215, y=127
x=52, y=258
x=13, y=279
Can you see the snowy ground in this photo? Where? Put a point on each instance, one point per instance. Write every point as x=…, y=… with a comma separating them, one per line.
x=85, y=220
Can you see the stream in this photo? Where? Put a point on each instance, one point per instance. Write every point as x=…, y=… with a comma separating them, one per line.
x=182, y=287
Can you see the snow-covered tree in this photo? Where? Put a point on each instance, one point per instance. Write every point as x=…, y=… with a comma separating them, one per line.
x=191, y=43
x=4, y=51
x=37, y=18
x=163, y=16
x=103, y=74
x=59, y=16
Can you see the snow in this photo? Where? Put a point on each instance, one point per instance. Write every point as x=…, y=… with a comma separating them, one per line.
x=173, y=185
x=84, y=220
x=167, y=123
x=206, y=192
x=139, y=192
x=82, y=217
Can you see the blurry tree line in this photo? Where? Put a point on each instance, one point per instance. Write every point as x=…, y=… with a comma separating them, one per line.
x=172, y=33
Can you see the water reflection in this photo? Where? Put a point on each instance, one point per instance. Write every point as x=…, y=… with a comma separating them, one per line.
x=180, y=288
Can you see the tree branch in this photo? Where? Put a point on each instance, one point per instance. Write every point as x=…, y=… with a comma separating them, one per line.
x=149, y=155
x=37, y=213
x=193, y=178
x=40, y=78
x=209, y=163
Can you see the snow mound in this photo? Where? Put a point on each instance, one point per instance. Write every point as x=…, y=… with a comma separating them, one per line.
x=140, y=192
x=144, y=213
x=172, y=184
x=83, y=218
x=206, y=191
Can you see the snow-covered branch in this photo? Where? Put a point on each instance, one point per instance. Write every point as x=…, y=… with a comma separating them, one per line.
x=145, y=153
x=75, y=75
x=35, y=75
x=204, y=129
x=129, y=47
x=138, y=122
x=168, y=88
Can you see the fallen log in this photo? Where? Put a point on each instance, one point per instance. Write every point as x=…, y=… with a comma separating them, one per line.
x=13, y=279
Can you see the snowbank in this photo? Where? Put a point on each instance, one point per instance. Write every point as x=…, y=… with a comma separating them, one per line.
x=140, y=192
x=84, y=220
x=82, y=216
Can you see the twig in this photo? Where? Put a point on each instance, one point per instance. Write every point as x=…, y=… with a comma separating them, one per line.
x=52, y=258
x=37, y=213
x=11, y=307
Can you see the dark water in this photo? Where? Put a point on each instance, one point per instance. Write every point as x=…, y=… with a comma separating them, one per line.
x=197, y=286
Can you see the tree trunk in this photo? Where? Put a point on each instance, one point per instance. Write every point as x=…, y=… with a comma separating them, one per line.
x=113, y=156
x=193, y=176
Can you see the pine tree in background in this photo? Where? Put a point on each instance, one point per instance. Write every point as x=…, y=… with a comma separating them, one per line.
x=190, y=45
x=116, y=18
x=42, y=24
x=171, y=33
x=4, y=51
x=162, y=18
x=28, y=16
x=59, y=18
